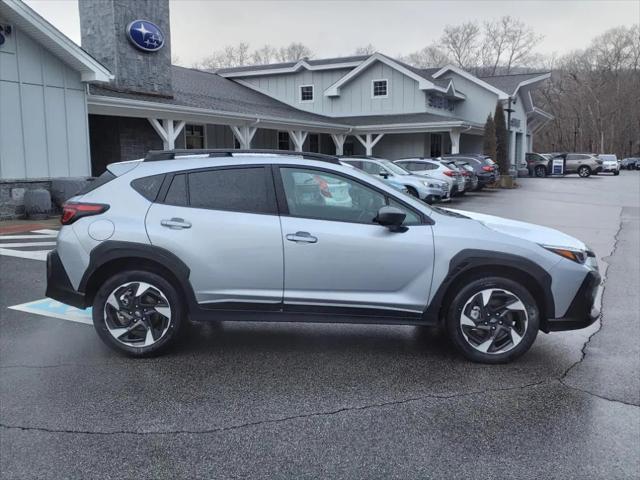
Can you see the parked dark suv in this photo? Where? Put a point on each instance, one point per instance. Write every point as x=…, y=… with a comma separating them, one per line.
x=485, y=168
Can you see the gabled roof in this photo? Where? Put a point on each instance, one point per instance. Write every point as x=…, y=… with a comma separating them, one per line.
x=209, y=93
x=424, y=82
x=510, y=84
x=472, y=78
x=20, y=15
x=292, y=67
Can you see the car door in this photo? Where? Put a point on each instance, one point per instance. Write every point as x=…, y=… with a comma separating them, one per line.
x=337, y=258
x=223, y=224
x=573, y=162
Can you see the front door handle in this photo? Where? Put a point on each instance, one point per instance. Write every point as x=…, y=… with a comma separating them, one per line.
x=175, y=223
x=301, y=237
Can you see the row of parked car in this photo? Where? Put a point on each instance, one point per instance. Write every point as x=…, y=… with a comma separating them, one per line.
x=431, y=179
x=583, y=164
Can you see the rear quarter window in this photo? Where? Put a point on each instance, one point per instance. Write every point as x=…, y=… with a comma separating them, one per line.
x=148, y=187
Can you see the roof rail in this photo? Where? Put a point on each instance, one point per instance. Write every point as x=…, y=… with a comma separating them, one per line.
x=156, y=155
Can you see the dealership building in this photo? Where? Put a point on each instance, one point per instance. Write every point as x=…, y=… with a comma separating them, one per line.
x=67, y=111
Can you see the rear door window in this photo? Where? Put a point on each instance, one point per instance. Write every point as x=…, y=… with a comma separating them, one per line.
x=177, y=193
x=248, y=190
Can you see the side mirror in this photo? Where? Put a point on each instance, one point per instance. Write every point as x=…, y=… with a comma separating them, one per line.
x=392, y=218
x=384, y=174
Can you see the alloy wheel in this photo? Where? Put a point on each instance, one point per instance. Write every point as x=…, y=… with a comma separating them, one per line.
x=540, y=171
x=137, y=314
x=584, y=171
x=494, y=321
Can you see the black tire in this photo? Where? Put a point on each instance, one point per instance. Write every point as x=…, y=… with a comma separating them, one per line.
x=466, y=294
x=540, y=171
x=158, y=284
x=584, y=171
x=413, y=191
x=617, y=172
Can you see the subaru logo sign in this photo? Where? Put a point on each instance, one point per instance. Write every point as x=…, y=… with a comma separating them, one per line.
x=145, y=35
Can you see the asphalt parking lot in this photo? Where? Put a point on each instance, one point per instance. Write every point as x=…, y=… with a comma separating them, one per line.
x=325, y=401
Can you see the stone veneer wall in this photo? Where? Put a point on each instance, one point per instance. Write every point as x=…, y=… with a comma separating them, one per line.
x=12, y=196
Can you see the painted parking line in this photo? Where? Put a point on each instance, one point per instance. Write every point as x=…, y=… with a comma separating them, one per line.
x=34, y=245
x=54, y=309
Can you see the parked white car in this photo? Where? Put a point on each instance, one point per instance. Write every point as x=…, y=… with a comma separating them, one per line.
x=610, y=163
x=435, y=169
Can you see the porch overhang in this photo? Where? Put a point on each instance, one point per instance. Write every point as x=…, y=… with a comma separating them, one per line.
x=424, y=127
x=127, y=107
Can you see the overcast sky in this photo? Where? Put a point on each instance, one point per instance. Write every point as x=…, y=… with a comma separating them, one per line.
x=336, y=28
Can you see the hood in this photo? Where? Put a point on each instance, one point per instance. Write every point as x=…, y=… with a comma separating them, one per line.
x=527, y=231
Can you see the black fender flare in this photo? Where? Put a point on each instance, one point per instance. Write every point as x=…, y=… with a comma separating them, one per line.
x=469, y=260
x=112, y=250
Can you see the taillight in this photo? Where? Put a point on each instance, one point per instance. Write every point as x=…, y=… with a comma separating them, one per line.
x=487, y=168
x=465, y=173
x=448, y=173
x=72, y=211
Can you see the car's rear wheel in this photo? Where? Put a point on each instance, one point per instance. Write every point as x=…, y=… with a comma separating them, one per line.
x=493, y=320
x=540, y=171
x=584, y=171
x=137, y=312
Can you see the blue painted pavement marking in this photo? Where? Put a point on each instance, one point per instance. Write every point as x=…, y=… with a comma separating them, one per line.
x=54, y=309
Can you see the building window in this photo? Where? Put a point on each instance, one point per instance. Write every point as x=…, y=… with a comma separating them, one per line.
x=314, y=143
x=440, y=102
x=380, y=88
x=306, y=93
x=194, y=136
x=283, y=141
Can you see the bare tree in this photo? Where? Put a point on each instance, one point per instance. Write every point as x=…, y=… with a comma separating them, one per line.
x=293, y=52
x=266, y=54
x=241, y=54
x=430, y=56
x=593, y=95
x=508, y=42
x=461, y=42
x=365, y=50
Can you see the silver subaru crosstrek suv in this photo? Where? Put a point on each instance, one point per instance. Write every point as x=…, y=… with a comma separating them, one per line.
x=283, y=236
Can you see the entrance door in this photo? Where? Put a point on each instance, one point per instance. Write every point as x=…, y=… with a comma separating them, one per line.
x=436, y=145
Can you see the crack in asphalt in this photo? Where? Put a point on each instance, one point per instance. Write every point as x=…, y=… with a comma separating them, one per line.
x=282, y=419
x=583, y=350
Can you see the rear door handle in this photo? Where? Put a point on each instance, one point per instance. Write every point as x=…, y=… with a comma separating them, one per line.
x=175, y=223
x=301, y=237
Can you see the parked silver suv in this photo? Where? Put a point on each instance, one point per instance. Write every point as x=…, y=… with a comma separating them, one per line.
x=280, y=236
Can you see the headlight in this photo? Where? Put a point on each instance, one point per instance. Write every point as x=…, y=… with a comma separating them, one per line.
x=431, y=185
x=578, y=256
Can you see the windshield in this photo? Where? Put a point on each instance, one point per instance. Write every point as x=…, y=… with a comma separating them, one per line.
x=393, y=168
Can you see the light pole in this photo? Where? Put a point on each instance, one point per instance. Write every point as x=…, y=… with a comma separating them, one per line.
x=509, y=110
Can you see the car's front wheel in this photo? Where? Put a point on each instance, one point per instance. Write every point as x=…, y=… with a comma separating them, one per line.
x=540, y=171
x=493, y=320
x=584, y=171
x=137, y=312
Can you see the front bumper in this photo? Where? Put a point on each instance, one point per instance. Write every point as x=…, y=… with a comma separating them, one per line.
x=582, y=311
x=58, y=284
